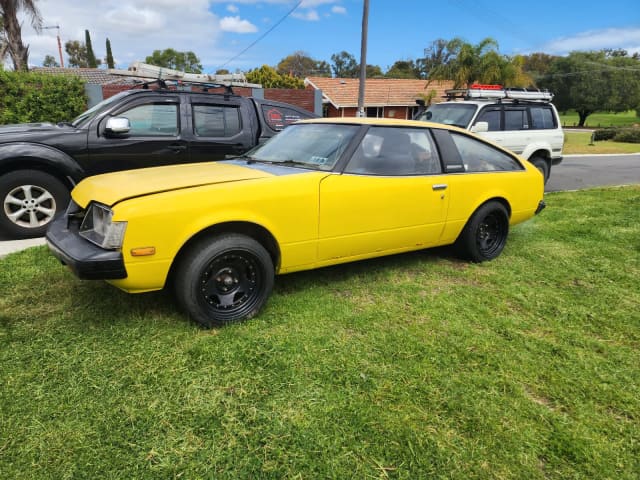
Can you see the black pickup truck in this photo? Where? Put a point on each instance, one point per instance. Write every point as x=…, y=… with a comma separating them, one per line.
x=41, y=162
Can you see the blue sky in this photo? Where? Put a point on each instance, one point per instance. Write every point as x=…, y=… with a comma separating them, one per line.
x=218, y=31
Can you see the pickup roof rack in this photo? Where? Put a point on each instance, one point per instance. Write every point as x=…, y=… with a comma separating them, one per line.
x=153, y=74
x=498, y=92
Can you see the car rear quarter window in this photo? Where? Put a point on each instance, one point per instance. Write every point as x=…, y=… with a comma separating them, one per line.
x=216, y=120
x=477, y=156
x=542, y=117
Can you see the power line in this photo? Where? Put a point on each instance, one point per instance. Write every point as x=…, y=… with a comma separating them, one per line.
x=263, y=35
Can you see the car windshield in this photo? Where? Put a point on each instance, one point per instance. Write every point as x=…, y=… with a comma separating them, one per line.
x=93, y=111
x=449, y=113
x=309, y=145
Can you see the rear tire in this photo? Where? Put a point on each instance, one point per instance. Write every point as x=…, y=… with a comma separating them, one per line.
x=224, y=279
x=485, y=234
x=542, y=165
x=30, y=199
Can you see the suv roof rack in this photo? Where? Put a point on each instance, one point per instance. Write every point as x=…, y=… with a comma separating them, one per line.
x=498, y=92
x=160, y=75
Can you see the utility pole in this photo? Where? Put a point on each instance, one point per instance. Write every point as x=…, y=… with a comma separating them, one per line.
x=59, y=43
x=363, y=59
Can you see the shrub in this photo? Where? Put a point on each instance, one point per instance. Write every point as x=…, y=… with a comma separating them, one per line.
x=32, y=97
x=628, y=135
x=604, y=134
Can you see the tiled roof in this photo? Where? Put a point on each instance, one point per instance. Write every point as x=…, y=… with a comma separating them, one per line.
x=378, y=92
x=95, y=76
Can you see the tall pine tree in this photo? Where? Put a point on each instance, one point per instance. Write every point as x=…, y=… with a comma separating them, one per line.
x=110, y=62
x=91, y=57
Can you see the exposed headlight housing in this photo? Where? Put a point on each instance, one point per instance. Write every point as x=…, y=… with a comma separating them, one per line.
x=98, y=227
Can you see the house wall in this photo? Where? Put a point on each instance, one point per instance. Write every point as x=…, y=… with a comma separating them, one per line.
x=401, y=112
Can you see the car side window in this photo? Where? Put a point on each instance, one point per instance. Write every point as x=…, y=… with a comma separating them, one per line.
x=395, y=151
x=216, y=121
x=156, y=119
x=492, y=117
x=515, y=119
x=542, y=117
x=480, y=157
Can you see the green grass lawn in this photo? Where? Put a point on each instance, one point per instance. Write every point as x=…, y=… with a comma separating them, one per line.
x=601, y=119
x=580, y=142
x=414, y=366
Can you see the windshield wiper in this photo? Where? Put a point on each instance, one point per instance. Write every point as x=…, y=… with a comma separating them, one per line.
x=292, y=162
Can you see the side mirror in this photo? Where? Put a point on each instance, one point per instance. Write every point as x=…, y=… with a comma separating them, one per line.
x=117, y=125
x=480, y=127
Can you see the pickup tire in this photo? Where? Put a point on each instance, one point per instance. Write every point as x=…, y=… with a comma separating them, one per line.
x=30, y=199
x=485, y=234
x=224, y=279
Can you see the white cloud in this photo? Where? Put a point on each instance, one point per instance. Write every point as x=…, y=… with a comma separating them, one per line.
x=135, y=29
x=232, y=8
x=626, y=38
x=339, y=10
x=309, y=15
x=237, y=25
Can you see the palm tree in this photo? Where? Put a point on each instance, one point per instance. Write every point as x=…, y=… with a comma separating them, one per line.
x=11, y=30
x=482, y=63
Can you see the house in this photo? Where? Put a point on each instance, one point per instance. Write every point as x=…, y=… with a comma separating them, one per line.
x=384, y=97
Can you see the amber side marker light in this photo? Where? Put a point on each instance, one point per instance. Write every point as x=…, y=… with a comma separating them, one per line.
x=143, y=251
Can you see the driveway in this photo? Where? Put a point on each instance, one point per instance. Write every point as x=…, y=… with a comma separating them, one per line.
x=574, y=173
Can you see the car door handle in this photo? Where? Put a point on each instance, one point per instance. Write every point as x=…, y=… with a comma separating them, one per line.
x=177, y=148
x=439, y=186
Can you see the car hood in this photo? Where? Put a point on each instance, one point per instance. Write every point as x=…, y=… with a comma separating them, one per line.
x=112, y=188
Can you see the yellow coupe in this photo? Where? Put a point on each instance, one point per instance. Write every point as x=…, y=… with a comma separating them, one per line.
x=322, y=192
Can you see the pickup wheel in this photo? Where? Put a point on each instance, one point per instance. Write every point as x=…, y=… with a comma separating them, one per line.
x=224, y=279
x=30, y=199
x=485, y=234
x=542, y=165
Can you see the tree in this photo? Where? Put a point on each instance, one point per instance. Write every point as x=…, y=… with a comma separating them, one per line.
x=301, y=65
x=374, y=71
x=109, y=59
x=345, y=65
x=440, y=52
x=594, y=81
x=270, y=78
x=169, y=58
x=536, y=65
x=467, y=64
x=77, y=53
x=50, y=61
x=92, y=61
x=12, y=32
x=403, y=69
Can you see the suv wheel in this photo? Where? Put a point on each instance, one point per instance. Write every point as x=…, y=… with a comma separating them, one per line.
x=542, y=165
x=30, y=199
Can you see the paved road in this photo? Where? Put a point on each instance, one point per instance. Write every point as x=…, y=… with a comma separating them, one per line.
x=584, y=171
x=575, y=172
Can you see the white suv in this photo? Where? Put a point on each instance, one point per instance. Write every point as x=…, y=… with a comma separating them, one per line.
x=524, y=121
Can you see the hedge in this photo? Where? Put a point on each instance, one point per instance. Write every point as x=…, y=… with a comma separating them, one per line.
x=627, y=135
x=32, y=97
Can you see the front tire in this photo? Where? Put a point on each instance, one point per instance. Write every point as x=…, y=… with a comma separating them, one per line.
x=224, y=280
x=30, y=199
x=485, y=234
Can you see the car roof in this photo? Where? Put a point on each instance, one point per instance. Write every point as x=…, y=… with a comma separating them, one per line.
x=396, y=122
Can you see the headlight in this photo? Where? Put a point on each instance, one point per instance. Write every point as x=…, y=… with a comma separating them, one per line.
x=98, y=228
